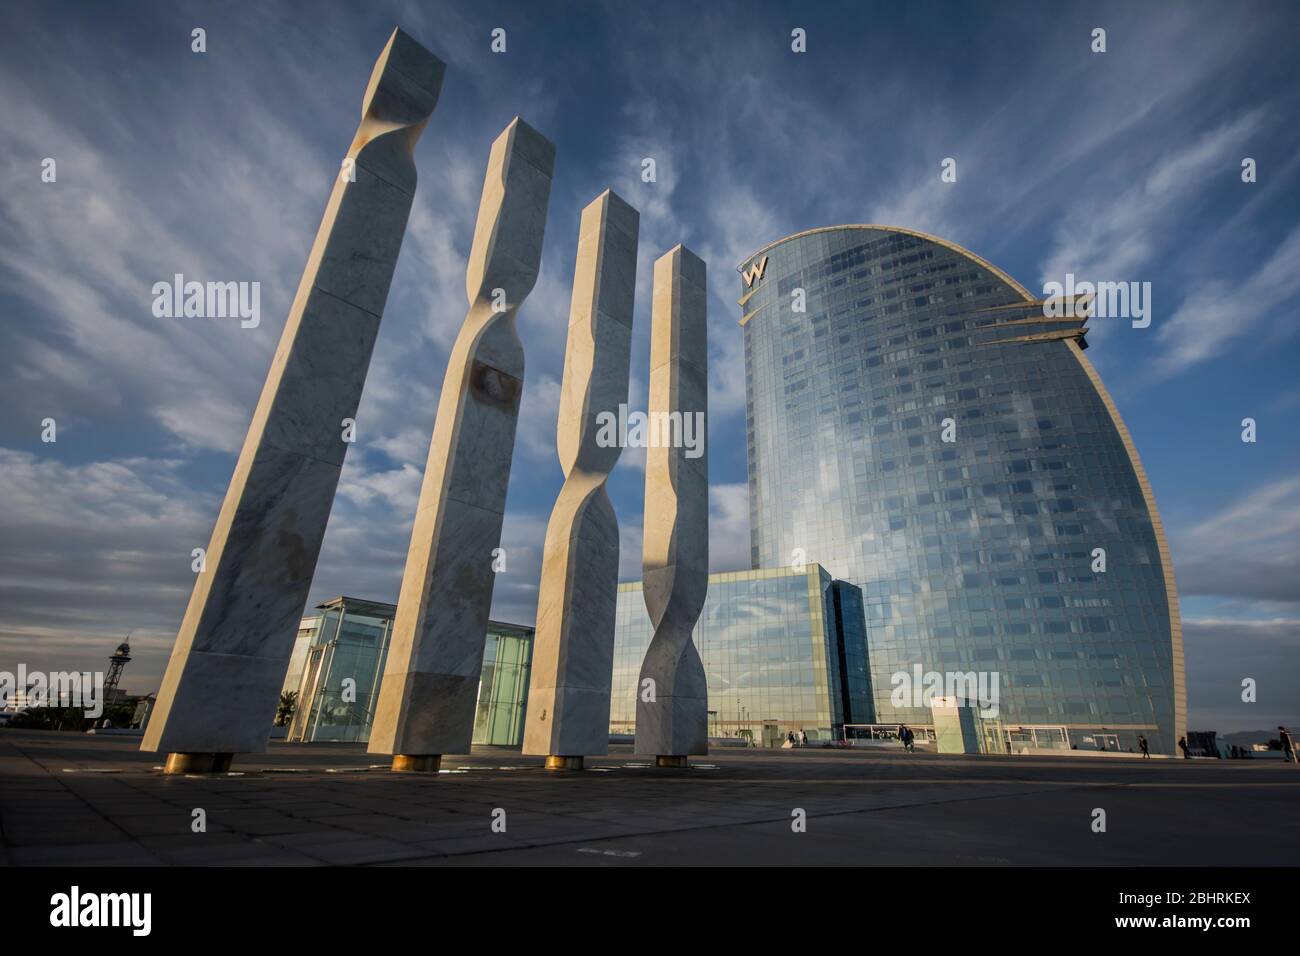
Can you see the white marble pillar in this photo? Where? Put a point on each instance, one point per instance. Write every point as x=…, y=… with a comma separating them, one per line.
x=672, y=697
x=427, y=699
x=221, y=687
x=573, y=650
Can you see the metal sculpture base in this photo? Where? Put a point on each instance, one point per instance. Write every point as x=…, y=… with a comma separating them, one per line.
x=555, y=762
x=417, y=763
x=197, y=763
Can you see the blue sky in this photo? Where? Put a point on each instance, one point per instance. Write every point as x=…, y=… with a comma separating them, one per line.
x=1123, y=165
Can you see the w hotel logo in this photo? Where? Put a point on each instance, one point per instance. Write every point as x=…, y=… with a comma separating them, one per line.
x=755, y=272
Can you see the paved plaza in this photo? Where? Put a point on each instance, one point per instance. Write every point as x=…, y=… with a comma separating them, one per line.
x=76, y=800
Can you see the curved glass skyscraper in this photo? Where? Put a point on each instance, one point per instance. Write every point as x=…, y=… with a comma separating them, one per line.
x=920, y=428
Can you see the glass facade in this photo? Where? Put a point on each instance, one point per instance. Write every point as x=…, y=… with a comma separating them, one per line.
x=923, y=431
x=503, y=686
x=849, y=614
x=773, y=655
x=342, y=664
x=338, y=662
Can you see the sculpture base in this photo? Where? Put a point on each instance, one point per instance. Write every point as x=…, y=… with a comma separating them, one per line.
x=197, y=763
x=554, y=762
x=416, y=763
x=670, y=761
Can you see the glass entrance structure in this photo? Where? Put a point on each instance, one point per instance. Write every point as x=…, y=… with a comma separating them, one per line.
x=919, y=426
x=338, y=662
x=503, y=685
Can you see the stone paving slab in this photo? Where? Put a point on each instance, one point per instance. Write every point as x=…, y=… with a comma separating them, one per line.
x=863, y=808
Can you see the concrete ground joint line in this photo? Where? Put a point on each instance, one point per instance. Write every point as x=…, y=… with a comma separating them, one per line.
x=777, y=819
x=61, y=781
x=713, y=826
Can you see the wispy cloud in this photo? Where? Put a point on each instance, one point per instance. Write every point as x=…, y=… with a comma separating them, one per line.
x=1115, y=240
x=85, y=250
x=1249, y=549
x=93, y=551
x=1215, y=312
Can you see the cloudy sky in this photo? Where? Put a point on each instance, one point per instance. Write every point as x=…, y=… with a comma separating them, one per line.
x=1123, y=165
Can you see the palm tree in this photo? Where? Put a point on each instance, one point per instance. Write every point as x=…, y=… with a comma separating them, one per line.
x=288, y=704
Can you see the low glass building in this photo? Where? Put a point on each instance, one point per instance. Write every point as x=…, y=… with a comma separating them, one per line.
x=783, y=651
x=927, y=429
x=338, y=663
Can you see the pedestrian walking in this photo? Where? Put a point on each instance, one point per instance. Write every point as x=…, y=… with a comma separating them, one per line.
x=906, y=735
x=1288, y=748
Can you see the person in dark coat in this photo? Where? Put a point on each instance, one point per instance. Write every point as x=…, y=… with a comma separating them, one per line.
x=1288, y=749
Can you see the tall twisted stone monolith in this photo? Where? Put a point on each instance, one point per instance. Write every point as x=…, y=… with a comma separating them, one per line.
x=427, y=699
x=672, y=697
x=573, y=649
x=221, y=688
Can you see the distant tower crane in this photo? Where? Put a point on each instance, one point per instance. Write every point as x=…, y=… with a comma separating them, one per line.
x=121, y=657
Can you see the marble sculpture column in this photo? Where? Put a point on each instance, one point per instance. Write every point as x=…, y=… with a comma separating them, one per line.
x=573, y=650
x=428, y=696
x=221, y=687
x=672, y=698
